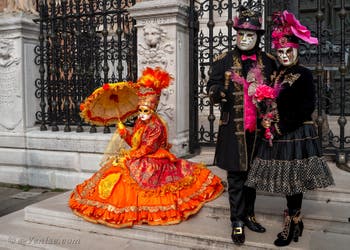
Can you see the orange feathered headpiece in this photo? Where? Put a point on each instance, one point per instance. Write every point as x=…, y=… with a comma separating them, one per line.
x=151, y=84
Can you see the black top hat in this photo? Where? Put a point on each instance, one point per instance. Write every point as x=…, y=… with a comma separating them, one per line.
x=248, y=20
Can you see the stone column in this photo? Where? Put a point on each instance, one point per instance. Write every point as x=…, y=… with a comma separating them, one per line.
x=162, y=38
x=18, y=37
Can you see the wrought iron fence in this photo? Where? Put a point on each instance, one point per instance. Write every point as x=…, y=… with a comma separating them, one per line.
x=211, y=34
x=82, y=44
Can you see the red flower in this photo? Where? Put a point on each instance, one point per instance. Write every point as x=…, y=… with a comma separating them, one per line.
x=264, y=92
x=105, y=86
x=268, y=134
x=82, y=107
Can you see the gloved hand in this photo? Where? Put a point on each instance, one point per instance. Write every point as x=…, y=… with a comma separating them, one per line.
x=262, y=107
x=137, y=153
x=217, y=93
x=121, y=129
x=266, y=123
x=226, y=95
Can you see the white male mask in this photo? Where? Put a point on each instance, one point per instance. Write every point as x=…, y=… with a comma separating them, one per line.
x=145, y=113
x=246, y=39
x=287, y=56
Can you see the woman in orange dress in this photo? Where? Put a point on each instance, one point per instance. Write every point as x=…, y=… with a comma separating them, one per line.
x=146, y=184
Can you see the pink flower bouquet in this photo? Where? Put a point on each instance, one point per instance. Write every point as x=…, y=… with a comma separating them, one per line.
x=264, y=99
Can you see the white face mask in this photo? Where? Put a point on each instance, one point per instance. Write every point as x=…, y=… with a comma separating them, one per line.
x=145, y=113
x=246, y=39
x=287, y=56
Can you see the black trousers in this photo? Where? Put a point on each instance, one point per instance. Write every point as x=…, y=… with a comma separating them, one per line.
x=294, y=203
x=241, y=198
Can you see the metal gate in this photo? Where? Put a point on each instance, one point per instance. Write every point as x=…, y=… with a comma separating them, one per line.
x=82, y=44
x=211, y=33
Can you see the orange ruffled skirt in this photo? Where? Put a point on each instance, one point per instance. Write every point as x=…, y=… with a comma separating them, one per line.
x=114, y=197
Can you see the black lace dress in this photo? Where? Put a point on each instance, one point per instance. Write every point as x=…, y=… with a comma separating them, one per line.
x=293, y=164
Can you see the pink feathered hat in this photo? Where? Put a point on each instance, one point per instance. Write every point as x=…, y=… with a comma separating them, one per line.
x=287, y=30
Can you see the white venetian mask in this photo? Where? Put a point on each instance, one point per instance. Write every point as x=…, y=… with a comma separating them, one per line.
x=246, y=39
x=287, y=56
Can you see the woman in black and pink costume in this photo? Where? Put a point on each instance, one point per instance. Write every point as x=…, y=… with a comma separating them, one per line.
x=293, y=163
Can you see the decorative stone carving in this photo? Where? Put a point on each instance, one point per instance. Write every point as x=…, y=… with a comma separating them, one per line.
x=10, y=96
x=154, y=52
x=6, y=53
x=164, y=108
x=27, y=6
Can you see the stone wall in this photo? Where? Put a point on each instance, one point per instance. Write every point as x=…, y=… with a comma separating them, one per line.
x=28, y=155
x=64, y=159
x=50, y=159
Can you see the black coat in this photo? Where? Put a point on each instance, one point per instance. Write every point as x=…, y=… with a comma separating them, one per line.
x=296, y=99
x=235, y=147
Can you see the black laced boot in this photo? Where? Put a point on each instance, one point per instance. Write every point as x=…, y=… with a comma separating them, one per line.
x=298, y=230
x=293, y=229
x=300, y=223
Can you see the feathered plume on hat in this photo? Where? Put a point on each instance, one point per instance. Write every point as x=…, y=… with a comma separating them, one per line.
x=151, y=83
x=287, y=30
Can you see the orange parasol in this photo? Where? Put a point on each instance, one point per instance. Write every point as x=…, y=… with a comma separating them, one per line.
x=110, y=103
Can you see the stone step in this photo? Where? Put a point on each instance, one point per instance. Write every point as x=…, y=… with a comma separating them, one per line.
x=317, y=215
x=201, y=231
x=324, y=209
x=339, y=192
x=17, y=234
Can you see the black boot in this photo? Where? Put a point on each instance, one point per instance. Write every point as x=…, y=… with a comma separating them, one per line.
x=300, y=223
x=298, y=231
x=285, y=214
x=293, y=229
x=238, y=236
x=253, y=225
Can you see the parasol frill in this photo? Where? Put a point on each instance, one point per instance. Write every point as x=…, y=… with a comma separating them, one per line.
x=110, y=103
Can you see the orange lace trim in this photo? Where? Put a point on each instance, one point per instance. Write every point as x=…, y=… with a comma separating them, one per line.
x=189, y=202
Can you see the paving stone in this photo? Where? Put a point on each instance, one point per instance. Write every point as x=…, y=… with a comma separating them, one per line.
x=25, y=195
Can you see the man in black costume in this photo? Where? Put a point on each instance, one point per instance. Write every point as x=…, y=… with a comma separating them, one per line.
x=239, y=127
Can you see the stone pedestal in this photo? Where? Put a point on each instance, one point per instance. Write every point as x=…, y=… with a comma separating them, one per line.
x=29, y=156
x=18, y=37
x=163, y=35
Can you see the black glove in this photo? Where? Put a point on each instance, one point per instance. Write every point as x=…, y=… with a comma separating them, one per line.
x=217, y=93
x=262, y=107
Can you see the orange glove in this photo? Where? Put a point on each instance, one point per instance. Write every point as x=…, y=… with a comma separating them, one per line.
x=122, y=129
